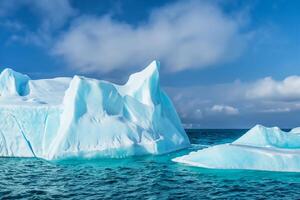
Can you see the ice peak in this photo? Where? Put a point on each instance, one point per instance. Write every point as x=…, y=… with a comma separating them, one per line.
x=151, y=69
x=8, y=71
x=144, y=85
x=150, y=72
x=295, y=130
x=13, y=83
x=258, y=128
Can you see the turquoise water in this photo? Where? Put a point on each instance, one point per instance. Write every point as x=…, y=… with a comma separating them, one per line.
x=151, y=177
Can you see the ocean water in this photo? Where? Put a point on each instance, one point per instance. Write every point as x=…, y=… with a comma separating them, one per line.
x=148, y=177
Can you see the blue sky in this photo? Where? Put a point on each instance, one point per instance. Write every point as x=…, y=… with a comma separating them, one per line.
x=226, y=64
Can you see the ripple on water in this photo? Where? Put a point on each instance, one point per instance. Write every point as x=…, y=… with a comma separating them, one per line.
x=141, y=178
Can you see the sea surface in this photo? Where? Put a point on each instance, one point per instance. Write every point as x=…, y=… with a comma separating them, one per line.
x=148, y=177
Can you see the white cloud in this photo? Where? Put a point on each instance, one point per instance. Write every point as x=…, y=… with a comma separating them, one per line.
x=276, y=110
x=53, y=13
x=269, y=88
x=229, y=110
x=184, y=35
x=50, y=15
x=263, y=100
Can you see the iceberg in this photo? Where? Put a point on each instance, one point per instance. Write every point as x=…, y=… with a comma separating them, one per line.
x=261, y=148
x=83, y=117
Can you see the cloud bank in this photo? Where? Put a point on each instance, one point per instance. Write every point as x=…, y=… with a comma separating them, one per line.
x=229, y=110
x=182, y=35
x=239, y=102
x=268, y=88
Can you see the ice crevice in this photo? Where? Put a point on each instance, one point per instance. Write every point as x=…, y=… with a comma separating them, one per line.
x=23, y=134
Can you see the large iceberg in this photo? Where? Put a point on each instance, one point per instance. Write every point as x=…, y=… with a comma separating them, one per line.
x=261, y=148
x=83, y=117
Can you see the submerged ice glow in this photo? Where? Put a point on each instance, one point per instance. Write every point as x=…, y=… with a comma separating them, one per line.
x=82, y=117
x=260, y=148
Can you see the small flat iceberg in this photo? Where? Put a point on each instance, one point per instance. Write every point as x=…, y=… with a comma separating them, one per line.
x=83, y=117
x=261, y=148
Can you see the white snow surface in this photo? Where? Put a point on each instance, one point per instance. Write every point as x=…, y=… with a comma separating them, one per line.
x=87, y=118
x=261, y=148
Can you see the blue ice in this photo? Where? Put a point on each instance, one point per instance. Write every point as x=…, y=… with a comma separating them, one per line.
x=82, y=117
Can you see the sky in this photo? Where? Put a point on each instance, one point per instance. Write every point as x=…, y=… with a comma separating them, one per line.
x=225, y=64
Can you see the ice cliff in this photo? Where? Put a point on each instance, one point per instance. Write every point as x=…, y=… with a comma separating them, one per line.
x=83, y=117
x=261, y=148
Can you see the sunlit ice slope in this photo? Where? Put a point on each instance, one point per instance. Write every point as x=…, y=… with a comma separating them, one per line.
x=82, y=117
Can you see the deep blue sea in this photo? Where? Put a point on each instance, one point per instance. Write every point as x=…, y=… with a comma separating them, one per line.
x=150, y=177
